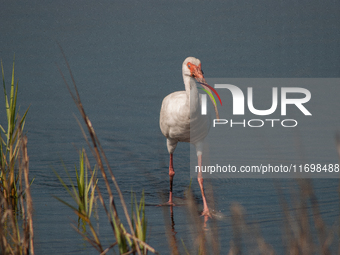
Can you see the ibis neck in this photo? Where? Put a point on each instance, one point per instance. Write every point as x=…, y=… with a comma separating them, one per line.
x=192, y=93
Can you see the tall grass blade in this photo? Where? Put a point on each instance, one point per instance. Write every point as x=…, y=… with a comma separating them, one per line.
x=119, y=231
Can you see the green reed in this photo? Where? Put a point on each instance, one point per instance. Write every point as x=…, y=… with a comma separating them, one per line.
x=138, y=218
x=10, y=144
x=83, y=192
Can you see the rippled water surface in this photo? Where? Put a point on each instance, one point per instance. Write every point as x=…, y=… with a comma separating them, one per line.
x=126, y=57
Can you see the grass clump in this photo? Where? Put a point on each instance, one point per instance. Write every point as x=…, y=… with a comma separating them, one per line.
x=83, y=192
x=16, y=222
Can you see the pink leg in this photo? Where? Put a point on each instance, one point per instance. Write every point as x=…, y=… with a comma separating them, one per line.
x=200, y=182
x=171, y=176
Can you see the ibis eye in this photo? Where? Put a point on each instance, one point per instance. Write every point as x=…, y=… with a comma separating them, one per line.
x=189, y=65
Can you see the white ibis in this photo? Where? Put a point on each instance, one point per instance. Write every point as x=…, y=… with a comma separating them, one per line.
x=181, y=116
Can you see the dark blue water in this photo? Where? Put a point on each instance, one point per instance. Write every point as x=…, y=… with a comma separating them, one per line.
x=126, y=57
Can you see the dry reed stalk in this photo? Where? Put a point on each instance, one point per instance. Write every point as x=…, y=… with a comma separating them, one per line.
x=298, y=228
x=170, y=229
x=29, y=203
x=99, y=155
x=197, y=226
x=205, y=238
x=213, y=235
x=16, y=239
x=318, y=221
x=237, y=224
x=253, y=240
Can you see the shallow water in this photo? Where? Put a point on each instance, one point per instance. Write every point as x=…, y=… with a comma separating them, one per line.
x=126, y=57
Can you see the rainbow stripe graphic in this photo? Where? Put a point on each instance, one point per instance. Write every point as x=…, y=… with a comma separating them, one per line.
x=210, y=94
